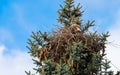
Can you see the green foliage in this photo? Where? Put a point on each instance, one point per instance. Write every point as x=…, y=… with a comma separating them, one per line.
x=72, y=49
x=29, y=73
x=106, y=64
x=69, y=14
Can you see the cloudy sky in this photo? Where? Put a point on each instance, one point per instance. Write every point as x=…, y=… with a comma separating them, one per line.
x=18, y=18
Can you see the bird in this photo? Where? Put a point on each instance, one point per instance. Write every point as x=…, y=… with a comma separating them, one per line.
x=75, y=27
x=44, y=37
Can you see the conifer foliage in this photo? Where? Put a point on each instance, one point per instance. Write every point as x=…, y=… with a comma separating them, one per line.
x=71, y=49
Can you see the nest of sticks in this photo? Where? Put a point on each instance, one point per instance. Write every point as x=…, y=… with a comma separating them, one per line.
x=61, y=41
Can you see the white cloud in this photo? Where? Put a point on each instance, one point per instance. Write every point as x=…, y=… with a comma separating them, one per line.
x=113, y=48
x=14, y=63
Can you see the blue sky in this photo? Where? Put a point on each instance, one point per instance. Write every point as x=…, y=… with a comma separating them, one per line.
x=18, y=18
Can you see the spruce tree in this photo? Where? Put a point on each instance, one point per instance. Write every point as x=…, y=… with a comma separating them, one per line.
x=106, y=66
x=71, y=49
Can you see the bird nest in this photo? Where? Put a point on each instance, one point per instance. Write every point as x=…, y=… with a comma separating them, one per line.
x=62, y=40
